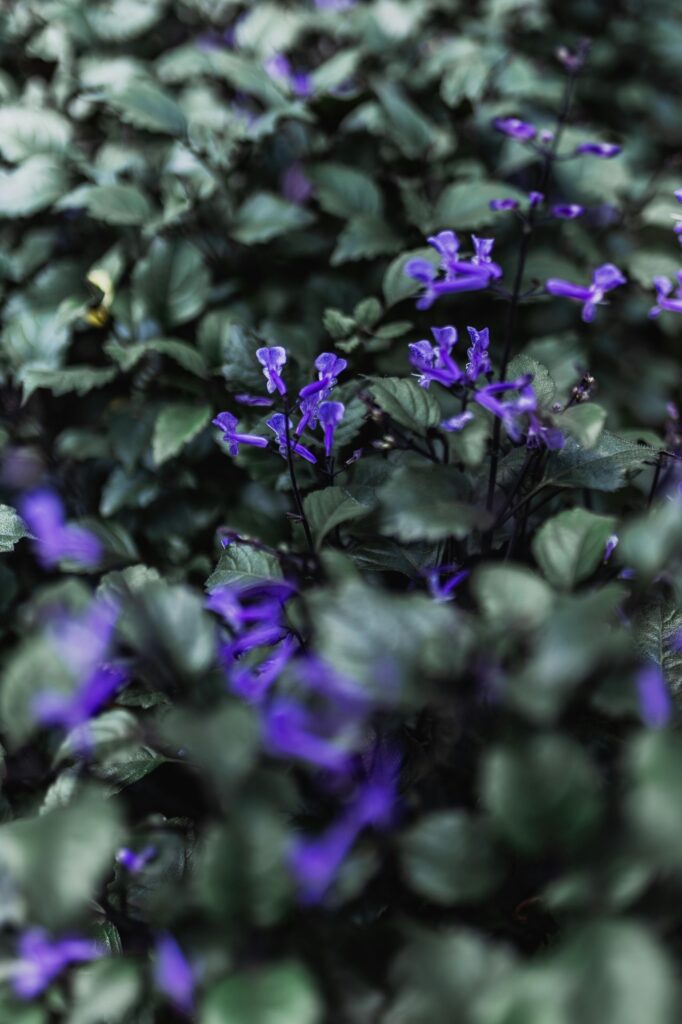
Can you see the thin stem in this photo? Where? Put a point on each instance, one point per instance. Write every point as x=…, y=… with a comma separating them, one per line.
x=294, y=485
x=656, y=478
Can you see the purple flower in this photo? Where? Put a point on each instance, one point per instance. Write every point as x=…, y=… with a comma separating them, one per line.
x=535, y=198
x=253, y=400
x=278, y=424
x=252, y=681
x=173, y=974
x=605, y=150
x=482, y=258
x=456, y=423
x=292, y=731
x=295, y=184
x=75, y=710
x=226, y=422
x=434, y=362
x=509, y=410
x=41, y=959
x=56, y=541
x=479, y=359
x=604, y=279
x=334, y=5
x=272, y=360
x=515, y=128
x=83, y=641
x=567, y=211
x=328, y=366
x=542, y=435
x=654, y=698
x=134, y=861
x=610, y=546
x=504, y=204
x=460, y=275
x=279, y=68
x=666, y=298
x=441, y=590
x=331, y=414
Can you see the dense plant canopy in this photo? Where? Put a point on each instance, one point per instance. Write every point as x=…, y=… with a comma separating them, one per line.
x=341, y=493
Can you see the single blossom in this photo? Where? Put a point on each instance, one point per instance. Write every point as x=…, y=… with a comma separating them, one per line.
x=567, y=211
x=479, y=358
x=291, y=730
x=279, y=68
x=434, y=362
x=654, y=697
x=278, y=424
x=605, y=150
x=509, y=410
x=259, y=400
x=444, y=581
x=668, y=296
x=456, y=423
x=504, y=204
x=610, y=546
x=330, y=414
x=41, y=959
x=173, y=974
x=55, y=540
x=535, y=198
x=604, y=279
x=272, y=360
x=328, y=366
x=135, y=861
x=515, y=128
x=252, y=680
x=74, y=711
x=226, y=422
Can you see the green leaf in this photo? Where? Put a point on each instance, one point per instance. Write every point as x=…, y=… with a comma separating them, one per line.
x=265, y=215
x=658, y=629
x=406, y=403
x=651, y=541
x=60, y=859
x=654, y=775
x=569, y=547
x=144, y=105
x=106, y=990
x=279, y=994
x=116, y=204
x=466, y=204
x=565, y=788
x=332, y=506
x=512, y=596
x=243, y=565
x=364, y=237
x=78, y=379
x=449, y=857
x=345, y=191
x=428, y=503
x=169, y=628
x=12, y=528
x=25, y=132
x=177, y=424
x=128, y=356
x=396, y=284
x=410, y=129
x=32, y=186
x=584, y=423
x=601, y=468
x=470, y=444
x=171, y=282
x=337, y=324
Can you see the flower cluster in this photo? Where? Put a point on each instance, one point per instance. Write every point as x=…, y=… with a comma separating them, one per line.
x=458, y=274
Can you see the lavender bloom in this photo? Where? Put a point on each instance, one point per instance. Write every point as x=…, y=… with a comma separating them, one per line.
x=278, y=425
x=610, y=546
x=272, y=360
x=253, y=400
x=315, y=863
x=546, y=136
x=226, y=422
x=605, y=150
x=279, y=68
x=82, y=641
x=510, y=410
x=460, y=275
x=434, y=362
x=41, y=959
x=482, y=259
x=328, y=366
x=295, y=185
x=457, y=423
x=442, y=590
x=542, y=435
x=654, y=699
x=75, y=710
x=173, y=974
x=604, y=279
x=567, y=211
x=535, y=198
x=133, y=861
x=666, y=298
x=515, y=128
x=479, y=359
x=331, y=414
x=504, y=204
x=290, y=731
x=252, y=682
x=56, y=541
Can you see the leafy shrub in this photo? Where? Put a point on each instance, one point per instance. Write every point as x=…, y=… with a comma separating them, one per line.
x=340, y=667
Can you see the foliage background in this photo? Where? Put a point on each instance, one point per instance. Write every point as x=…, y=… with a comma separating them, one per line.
x=534, y=872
